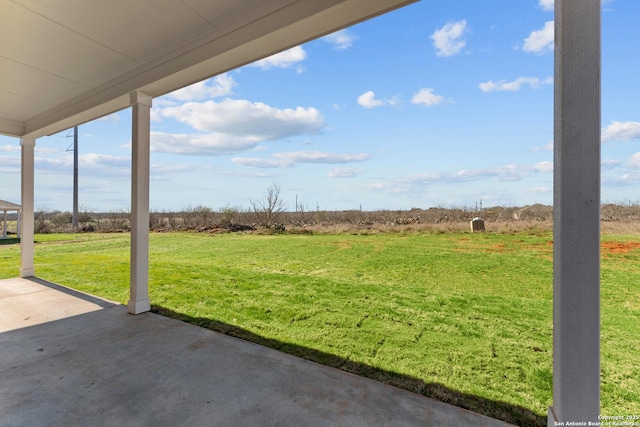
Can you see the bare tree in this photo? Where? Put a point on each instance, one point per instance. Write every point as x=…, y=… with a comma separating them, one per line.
x=269, y=210
x=228, y=215
x=196, y=217
x=301, y=210
x=41, y=223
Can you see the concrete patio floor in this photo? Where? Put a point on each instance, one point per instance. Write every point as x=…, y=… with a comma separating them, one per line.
x=70, y=359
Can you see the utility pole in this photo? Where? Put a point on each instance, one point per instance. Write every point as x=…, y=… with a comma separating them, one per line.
x=74, y=218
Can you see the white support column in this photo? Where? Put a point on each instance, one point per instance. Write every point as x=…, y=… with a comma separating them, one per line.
x=140, y=146
x=26, y=189
x=576, y=229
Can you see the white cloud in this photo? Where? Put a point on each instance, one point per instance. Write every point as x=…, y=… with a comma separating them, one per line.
x=344, y=172
x=427, y=97
x=542, y=190
x=158, y=169
x=111, y=118
x=283, y=59
x=253, y=120
x=624, y=131
x=211, y=144
x=635, y=161
x=156, y=114
x=632, y=178
x=10, y=148
x=540, y=41
x=93, y=164
x=368, y=100
x=413, y=182
x=231, y=126
x=543, y=167
x=610, y=164
x=514, y=85
x=341, y=40
x=449, y=40
x=90, y=165
x=57, y=165
x=322, y=157
x=52, y=150
x=257, y=162
x=9, y=164
x=289, y=159
x=212, y=88
x=547, y=5
x=627, y=173
x=93, y=161
x=547, y=147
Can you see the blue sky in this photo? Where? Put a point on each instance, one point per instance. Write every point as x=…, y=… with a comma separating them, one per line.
x=441, y=103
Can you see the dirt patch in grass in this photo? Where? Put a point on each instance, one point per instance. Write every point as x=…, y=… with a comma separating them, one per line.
x=343, y=245
x=620, y=247
x=487, y=248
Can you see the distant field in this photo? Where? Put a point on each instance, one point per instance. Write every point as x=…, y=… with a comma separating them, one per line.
x=464, y=318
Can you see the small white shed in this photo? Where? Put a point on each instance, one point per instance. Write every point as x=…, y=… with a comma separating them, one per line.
x=5, y=208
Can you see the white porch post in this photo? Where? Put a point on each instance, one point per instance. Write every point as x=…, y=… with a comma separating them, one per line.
x=140, y=146
x=26, y=189
x=576, y=272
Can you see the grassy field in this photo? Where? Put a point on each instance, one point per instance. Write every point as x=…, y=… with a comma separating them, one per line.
x=464, y=318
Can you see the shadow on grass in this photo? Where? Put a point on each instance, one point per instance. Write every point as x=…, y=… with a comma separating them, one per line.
x=509, y=413
x=9, y=240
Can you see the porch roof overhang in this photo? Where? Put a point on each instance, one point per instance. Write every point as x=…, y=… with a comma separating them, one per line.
x=68, y=62
x=8, y=206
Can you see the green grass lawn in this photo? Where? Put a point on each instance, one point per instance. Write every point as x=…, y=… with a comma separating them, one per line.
x=464, y=318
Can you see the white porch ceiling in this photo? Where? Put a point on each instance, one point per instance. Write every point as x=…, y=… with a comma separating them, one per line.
x=66, y=62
